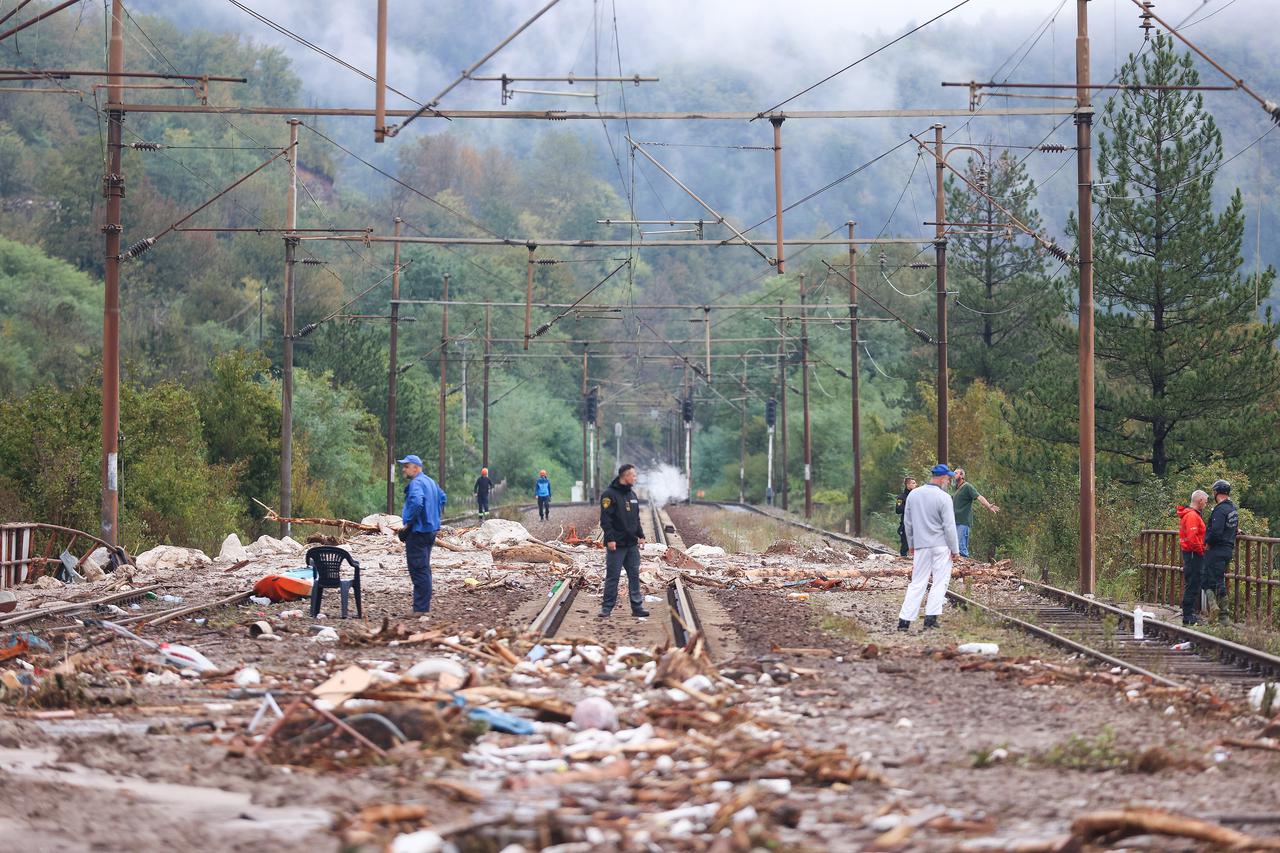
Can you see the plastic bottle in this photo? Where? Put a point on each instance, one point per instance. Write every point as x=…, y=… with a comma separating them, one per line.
x=176, y=599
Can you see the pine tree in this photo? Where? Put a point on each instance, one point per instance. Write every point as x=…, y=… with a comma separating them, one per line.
x=999, y=274
x=1184, y=366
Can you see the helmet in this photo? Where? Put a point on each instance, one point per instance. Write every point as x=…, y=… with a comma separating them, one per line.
x=1221, y=487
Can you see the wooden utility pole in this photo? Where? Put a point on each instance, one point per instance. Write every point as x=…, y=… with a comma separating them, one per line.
x=804, y=396
x=1084, y=184
x=113, y=189
x=286, y=370
x=528, y=291
x=856, y=430
x=484, y=419
x=586, y=482
x=940, y=247
x=444, y=376
x=782, y=398
x=777, y=188
x=380, y=74
x=393, y=370
x=742, y=440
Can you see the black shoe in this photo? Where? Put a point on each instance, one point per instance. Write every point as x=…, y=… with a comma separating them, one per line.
x=603, y=614
x=1188, y=621
x=640, y=614
x=904, y=625
x=930, y=622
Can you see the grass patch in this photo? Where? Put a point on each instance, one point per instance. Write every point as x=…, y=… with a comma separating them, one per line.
x=842, y=626
x=1088, y=754
x=743, y=533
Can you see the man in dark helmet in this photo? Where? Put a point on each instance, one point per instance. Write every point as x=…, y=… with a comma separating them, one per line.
x=1220, y=543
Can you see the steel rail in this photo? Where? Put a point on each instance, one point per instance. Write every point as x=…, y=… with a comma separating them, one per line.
x=1059, y=640
x=58, y=609
x=1244, y=657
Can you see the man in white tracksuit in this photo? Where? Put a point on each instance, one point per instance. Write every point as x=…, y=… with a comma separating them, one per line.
x=930, y=523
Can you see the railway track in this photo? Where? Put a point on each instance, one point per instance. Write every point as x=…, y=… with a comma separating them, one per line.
x=1168, y=654
x=685, y=623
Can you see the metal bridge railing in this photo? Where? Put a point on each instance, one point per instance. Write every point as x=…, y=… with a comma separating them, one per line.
x=1253, y=575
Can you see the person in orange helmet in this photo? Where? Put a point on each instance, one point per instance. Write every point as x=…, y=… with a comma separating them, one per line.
x=482, y=488
x=542, y=491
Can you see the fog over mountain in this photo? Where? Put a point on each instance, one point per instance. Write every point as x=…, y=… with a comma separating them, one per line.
x=722, y=55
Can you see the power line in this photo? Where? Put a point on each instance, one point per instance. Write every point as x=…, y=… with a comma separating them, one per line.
x=404, y=184
x=833, y=75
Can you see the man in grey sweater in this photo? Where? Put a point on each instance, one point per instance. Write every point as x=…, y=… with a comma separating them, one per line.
x=930, y=523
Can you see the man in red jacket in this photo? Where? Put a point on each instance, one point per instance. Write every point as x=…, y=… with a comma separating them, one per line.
x=1191, y=537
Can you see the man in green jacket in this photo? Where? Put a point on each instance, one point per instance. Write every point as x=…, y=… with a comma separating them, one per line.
x=965, y=495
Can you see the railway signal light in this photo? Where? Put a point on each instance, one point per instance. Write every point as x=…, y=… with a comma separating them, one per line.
x=686, y=409
x=770, y=412
x=591, y=403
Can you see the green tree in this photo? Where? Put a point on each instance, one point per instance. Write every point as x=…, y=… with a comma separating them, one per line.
x=999, y=273
x=1185, y=368
x=51, y=319
x=240, y=418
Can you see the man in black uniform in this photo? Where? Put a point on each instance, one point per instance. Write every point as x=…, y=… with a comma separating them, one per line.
x=623, y=536
x=900, y=507
x=1220, y=543
x=482, y=488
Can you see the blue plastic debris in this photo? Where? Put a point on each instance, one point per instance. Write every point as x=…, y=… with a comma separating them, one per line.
x=500, y=721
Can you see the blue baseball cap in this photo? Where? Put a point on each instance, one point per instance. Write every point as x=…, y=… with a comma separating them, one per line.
x=411, y=459
x=941, y=470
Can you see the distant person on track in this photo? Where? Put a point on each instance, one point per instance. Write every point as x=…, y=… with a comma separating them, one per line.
x=1220, y=544
x=930, y=522
x=423, y=500
x=965, y=495
x=900, y=507
x=542, y=491
x=482, y=489
x=623, y=536
x=1191, y=531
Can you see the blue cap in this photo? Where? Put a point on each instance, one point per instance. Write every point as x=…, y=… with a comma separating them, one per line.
x=941, y=470
x=411, y=459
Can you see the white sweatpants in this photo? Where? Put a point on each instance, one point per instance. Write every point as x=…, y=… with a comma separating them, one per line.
x=929, y=562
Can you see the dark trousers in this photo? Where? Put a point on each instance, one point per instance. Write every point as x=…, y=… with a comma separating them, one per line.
x=1192, y=578
x=1215, y=576
x=544, y=508
x=902, y=541
x=417, y=552
x=615, y=561
x=482, y=502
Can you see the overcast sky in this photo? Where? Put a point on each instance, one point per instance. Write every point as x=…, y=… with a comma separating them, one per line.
x=782, y=46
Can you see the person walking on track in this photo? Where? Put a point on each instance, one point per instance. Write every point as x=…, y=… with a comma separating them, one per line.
x=542, y=491
x=423, y=500
x=1220, y=544
x=623, y=536
x=900, y=507
x=1191, y=531
x=930, y=522
x=482, y=489
x=965, y=495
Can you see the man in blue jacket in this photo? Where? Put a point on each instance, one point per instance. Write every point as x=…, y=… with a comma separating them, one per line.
x=542, y=491
x=423, y=500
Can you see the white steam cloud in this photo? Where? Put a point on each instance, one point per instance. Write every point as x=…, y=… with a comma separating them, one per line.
x=663, y=484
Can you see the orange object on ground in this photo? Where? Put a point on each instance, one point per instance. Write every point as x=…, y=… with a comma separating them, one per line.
x=282, y=588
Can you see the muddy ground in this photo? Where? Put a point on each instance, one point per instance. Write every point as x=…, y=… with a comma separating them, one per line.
x=974, y=751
